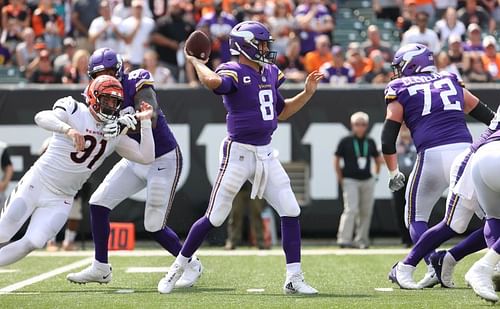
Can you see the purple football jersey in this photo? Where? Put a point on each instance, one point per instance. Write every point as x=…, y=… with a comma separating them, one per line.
x=220, y=27
x=133, y=82
x=433, y=105
x=252, y=101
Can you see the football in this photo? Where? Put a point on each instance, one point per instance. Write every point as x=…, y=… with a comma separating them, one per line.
x=198, y=45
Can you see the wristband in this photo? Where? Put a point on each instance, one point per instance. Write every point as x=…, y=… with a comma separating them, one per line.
x=146, y=124
x=394, y=172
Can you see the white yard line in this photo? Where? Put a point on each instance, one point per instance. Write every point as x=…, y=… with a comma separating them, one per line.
x=45, y=276
x=147, y=270
x=219, y=252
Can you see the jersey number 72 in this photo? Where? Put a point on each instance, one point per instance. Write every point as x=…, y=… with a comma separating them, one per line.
x=87, y=151
x=447, y=90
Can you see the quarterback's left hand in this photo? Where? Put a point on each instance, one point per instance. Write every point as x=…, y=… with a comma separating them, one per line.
x=111, y=130
x=312, y=81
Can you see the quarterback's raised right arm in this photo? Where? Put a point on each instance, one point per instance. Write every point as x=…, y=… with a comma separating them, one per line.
x=207, y=77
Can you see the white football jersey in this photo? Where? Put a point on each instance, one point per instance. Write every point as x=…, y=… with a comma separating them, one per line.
x=64, y=169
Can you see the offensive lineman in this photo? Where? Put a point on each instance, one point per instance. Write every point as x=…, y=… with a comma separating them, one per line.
x=432, y=105
x=250, y=95
x=126, y=178
x=79, y=145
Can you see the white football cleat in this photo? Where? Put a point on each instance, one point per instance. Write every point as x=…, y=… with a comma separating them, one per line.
x=479, y=279
x=167, y=283
x=97, y=272
x=192, y=272
x=430, y=279
x=496, y=277
x=295, y=284
x=444, y=264
x=402, y=275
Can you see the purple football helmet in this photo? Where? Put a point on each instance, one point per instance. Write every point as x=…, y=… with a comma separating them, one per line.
x=103, y=59
x=245, y=38
x=412, y=59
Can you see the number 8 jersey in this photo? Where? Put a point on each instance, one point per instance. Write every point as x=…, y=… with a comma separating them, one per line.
x=433, y=105
x=63, y=169
x=252, y=101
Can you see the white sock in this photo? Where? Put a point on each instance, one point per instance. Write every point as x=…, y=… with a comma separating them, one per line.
x=293, y=268
x=69, y=237
x=491, y=258
x=450, y=258
x=182, y=260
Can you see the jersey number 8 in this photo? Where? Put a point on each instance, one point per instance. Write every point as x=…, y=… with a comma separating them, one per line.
x=88, y=151
x=444, y=93
x=266, y=104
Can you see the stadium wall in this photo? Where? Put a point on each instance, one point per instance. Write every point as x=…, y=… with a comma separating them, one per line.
x=197, y=118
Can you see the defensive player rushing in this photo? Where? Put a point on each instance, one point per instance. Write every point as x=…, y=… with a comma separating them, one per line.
x=485, y=168
x=432, y=105
x=126, y=178
x=80, y=143
x=254, y=104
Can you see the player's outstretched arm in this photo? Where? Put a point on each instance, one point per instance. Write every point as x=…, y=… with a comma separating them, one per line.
x=207, y=77
x=53, y=120
x=147, y=95
x=144, y=152
x=390, y=131
x=477, y=109
x=293, y=105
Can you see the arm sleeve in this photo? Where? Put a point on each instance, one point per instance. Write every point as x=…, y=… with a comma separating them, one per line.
x=6, y=159
x=56, y=120
x=147, y=95
x=143, y=153
x=229, y=80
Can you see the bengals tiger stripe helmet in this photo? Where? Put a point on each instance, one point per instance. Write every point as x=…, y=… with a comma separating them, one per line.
x=104, y=96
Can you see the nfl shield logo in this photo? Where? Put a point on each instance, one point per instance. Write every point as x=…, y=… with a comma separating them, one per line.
x=264, y=79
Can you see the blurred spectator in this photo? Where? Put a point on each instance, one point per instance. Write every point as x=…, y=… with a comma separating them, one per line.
x=281, y=24
x=426, y=6
x=5, y=56
x=135, y=31
x=473, y=13
x=161, y=75
x=103, y=31
x=456, y=52
x=62, y=63
x=25, y=51
x=168, y=36
x=443, y=63
x=357, y=182
x=6, y=172
x=474, y=42
x=45, y=16
x=313, y=19
x=407, y=154
x=217, y=26
x=290, y=63
x=357, y=60
x=158, y=8
x=337, y=72
x=77, y=74
x=52, y=38
x=408, y=17
x=241, y=204
x=421, y=34
x=374, y=42
x=378, y=74
x=387, y=9
x=442, y=6
x=82, y=14
x=315, y=59
x=449, y=25
x=15, y=17
x=474, y=71
x=491, y=59
x=123, y=9
x=42, y=70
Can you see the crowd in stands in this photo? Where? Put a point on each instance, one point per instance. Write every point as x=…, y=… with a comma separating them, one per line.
x=49, y=41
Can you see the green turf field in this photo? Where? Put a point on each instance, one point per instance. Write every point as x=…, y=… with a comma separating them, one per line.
x=344, y=281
